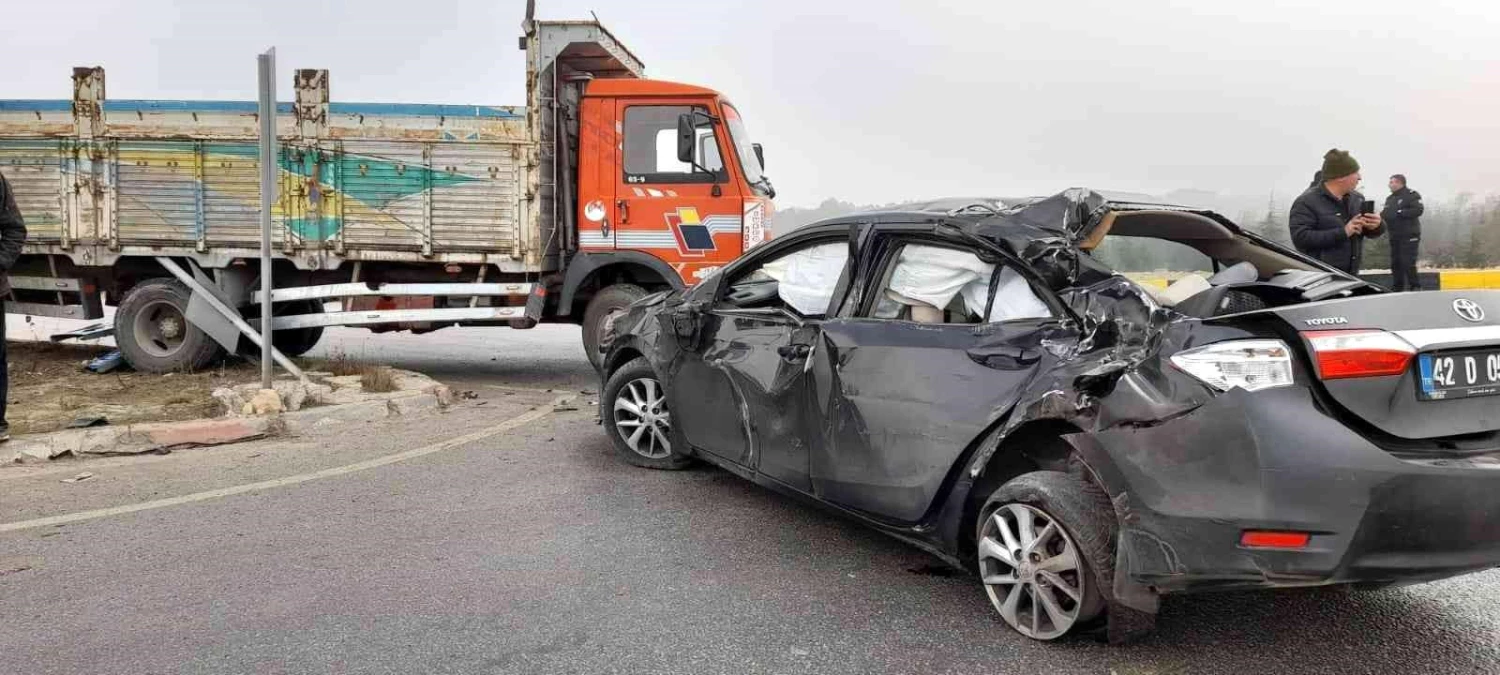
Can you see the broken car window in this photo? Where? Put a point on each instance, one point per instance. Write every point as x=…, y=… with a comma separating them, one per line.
x=804, y=279
x=1151, y=254
x=933, y=284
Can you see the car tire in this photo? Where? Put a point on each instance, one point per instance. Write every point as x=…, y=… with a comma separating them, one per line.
x=633, y=410
x=607, y=301
x=153, y=334
x=1060, y=534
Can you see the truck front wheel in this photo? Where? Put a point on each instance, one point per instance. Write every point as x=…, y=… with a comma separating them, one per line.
x=153, y=333
x=606, y=302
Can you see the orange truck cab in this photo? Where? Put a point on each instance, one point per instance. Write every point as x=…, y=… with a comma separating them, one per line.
x=662, y=182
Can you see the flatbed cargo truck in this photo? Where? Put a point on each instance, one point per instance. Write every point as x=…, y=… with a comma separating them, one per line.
x=604, y=187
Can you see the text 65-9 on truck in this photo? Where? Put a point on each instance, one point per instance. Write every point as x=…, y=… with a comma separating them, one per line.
x=605, y=187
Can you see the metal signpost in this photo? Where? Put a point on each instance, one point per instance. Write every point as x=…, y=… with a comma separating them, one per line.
x=267, y=62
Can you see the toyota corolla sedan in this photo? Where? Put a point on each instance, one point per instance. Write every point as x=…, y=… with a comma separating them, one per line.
x=982, y=384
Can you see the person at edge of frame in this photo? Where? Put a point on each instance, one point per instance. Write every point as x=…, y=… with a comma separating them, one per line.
x=12, y=236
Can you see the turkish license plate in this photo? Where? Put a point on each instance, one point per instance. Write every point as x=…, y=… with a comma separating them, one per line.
x=1465, y=374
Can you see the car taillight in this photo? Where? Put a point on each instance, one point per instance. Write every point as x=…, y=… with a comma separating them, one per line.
x=1251, y=365
x=1274, y=539
x=1344, y=354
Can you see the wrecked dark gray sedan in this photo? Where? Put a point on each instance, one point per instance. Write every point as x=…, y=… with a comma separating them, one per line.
x=983, y=384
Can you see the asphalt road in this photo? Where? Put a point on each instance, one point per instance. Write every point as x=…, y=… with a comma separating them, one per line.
x=534, y=551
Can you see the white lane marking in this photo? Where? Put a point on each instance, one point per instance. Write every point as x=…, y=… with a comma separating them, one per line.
x=449, y=444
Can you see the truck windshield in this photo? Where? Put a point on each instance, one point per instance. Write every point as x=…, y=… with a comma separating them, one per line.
x=743, y=147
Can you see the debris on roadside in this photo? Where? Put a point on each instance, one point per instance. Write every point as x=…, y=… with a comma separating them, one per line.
x=564, y=407
x=587, y=392
x=87, y=421
x=79, y=478
x=105, y=363
x=467, y=395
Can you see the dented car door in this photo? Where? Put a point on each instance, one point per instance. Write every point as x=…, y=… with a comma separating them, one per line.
x=903, y=394
x=902, y=402
x=757, y=358
x=742, y=397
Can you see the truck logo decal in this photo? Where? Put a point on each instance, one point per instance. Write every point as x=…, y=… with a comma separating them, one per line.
x=1327, y=321
x=692, y=234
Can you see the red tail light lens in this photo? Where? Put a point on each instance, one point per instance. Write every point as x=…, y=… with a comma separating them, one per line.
x=1274, y=539
x=1359, y=353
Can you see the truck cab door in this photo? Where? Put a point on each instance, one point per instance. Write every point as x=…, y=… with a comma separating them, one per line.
x=685, y=215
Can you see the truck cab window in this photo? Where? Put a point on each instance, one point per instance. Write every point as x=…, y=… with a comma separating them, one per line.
x=650, y=146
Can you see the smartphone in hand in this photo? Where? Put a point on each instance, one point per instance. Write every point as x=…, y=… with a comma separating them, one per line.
x=1367, y=208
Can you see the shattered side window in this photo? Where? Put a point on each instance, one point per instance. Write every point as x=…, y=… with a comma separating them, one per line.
x=932, y=284
x=805, y=278
x=1151, y=254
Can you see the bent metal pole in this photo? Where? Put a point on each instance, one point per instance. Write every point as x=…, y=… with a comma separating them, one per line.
x=267, y=62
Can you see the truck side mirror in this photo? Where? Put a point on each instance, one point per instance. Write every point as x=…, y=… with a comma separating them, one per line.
x=686, y=139
x=760, y=155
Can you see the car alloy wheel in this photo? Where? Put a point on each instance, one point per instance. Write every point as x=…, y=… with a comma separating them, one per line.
x=642, y=418
x=1031, y=570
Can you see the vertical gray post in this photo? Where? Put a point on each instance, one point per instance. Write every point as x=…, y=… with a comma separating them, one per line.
x=267, y=62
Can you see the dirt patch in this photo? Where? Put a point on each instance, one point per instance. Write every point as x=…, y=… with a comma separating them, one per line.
x=49, y=389
x=373, y=378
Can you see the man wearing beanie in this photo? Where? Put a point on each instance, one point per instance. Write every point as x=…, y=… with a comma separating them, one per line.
x=1325, y=220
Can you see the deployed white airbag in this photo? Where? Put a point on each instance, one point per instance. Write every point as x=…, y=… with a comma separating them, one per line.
x=1014, y=299
x=805, y=279
x=935, y=276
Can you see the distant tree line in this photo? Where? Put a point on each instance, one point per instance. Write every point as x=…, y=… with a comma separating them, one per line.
x=1461, y=232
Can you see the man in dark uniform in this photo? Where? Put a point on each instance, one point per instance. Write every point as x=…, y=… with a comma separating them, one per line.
x=1402, y=215
x=12, y=236
x=1325, y=220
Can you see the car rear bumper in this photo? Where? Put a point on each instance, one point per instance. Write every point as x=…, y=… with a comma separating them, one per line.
x=1187, y=489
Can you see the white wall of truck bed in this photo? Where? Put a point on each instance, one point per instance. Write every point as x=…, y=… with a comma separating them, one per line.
x=382, y=182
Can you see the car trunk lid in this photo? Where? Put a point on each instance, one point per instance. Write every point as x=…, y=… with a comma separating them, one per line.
x=1413, y=365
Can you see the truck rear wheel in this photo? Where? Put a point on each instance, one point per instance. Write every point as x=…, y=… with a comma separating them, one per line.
x=153, y=333
x=297, y=341
x=606, y=302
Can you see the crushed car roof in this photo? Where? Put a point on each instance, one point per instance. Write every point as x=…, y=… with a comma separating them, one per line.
x=1071, y=214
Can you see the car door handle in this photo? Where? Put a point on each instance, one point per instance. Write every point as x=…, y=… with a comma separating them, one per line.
x=794, y=352
x=623, y=209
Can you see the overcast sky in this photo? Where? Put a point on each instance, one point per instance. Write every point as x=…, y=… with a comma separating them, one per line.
x=877, y=101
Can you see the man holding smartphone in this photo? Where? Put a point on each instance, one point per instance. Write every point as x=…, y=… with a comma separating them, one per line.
x=1330, y=220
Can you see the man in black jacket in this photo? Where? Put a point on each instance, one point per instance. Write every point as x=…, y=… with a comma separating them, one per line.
x=1402, y=215
x=12, y=236
x=1325, y=220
